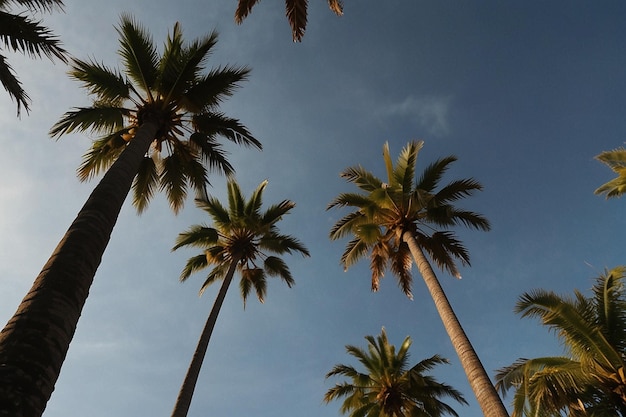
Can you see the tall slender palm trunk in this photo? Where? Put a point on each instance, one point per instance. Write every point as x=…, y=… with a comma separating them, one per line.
x=185, y=395
x=35, y=341
x=484, y=390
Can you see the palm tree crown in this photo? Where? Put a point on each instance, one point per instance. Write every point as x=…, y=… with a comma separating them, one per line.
x=243, y=235
x=20, y=33
x=388, y=387
x=590, y=379
x=169, y=91
x=386, y=210
x=241, y=241
x=296, y=11
x=616, y=160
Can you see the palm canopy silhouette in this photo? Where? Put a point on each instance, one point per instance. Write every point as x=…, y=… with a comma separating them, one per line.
x=171, y=94
x=242, y=239
x=616, y=160
x=296, y=12
x=159, y=103
x=590, y=380
x=20, y=33
x=388, y=387
x=396, y=221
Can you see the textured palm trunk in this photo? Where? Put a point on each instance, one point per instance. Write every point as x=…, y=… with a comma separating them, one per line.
x=35, y=341
x=484, y=390
x=185, y=395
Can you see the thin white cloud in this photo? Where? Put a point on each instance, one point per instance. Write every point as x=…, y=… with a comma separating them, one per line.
x=430, y=112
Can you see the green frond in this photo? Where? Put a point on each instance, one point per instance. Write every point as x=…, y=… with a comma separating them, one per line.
x=236, y=203
x=219, y=214
x=197, y=176
x=276, y=267
x=444, y=248
x=22, y=34
x=138, y=54
x=252, y=208
x=457, y=190
x=351, y=200
x=429, y=180
x=108, y=85
x=210, y=90
x=404, y=171
x=446, y=216
x=97, y=119
x=355, y=250
x=363, y=179
x=281, y=244
x=100, y=157
x=13, y=86
x=213, y=123
x=197, y=236
x=275, y=212
x=218, y=273
x=211, y=153
x=193, y=265
x=145, y=184
x=173, y=181
x=171, y=66
x=252, y=278
x=347, y=224
x=296, y=11
x=401, y=263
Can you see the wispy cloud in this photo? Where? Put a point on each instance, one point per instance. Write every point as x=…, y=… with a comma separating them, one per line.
x=430, y=112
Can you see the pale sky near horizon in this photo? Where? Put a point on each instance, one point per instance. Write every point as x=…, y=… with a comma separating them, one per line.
x=524, y=94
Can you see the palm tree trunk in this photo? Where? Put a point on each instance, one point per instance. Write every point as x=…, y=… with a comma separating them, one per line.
x=483, y=388
x=185, y=395
x=35, y=341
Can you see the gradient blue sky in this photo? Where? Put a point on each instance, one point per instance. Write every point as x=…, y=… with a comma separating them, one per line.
x=524, y=93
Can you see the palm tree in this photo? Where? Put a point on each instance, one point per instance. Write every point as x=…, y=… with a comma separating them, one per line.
x=396, y=221
x=20, y=33
x=296, y=11
x=240, y=241
x=147, y=109
x=590, y=379
x=388, y=388
x=616, y=160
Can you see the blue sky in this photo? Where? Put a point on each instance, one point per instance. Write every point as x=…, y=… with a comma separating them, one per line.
x=525, y=94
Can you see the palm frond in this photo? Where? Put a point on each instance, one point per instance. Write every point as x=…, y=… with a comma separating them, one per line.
x=145, y=184
x=362, y=178
x=444, y=248
x=211, y=153
x=208, y=91
x=218, y=124
x=430, y=177
x=100, y=157
x=138, y=54
x=173, y=181
x=215, y=209
x=276, y=267
x=193, y=265
x=244, y=7
x=404, y=171
x=107, y=84
x=355, y=250
x=13, y=86
x=21, y=34
x=197, y=236
x=98, y=119
x=296, y=11
x=616, y=160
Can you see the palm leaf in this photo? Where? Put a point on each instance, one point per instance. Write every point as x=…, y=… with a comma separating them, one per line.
x=193, y=265
x=430, y=177
x=34, y=39
x=173, y=181
x=218, y=124
x=138, y=53
x=145, y=184
x=100, y=157
x=105, y=83
x=363, y=179
x=99, y=118
x=197, y=236
x=211, y=153
x=210, y=90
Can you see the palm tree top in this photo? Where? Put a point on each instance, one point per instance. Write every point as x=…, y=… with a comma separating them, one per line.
x=245, y=234
x=388, y=387
x=385, y=210
x=172, y=90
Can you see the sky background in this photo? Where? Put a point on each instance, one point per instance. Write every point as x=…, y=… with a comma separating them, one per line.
x=525, y=94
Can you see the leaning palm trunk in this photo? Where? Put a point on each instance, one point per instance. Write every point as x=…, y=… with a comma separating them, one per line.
x=185, y=395
x=485, y=392
x=35, y=341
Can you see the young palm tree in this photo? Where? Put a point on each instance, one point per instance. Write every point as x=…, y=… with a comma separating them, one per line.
x=396, y=221
x=590, y=380
x=296, y=11
x=616, y=160
x=240, y=241
x=157, y=104
x=20, y=33
x=388, y=388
